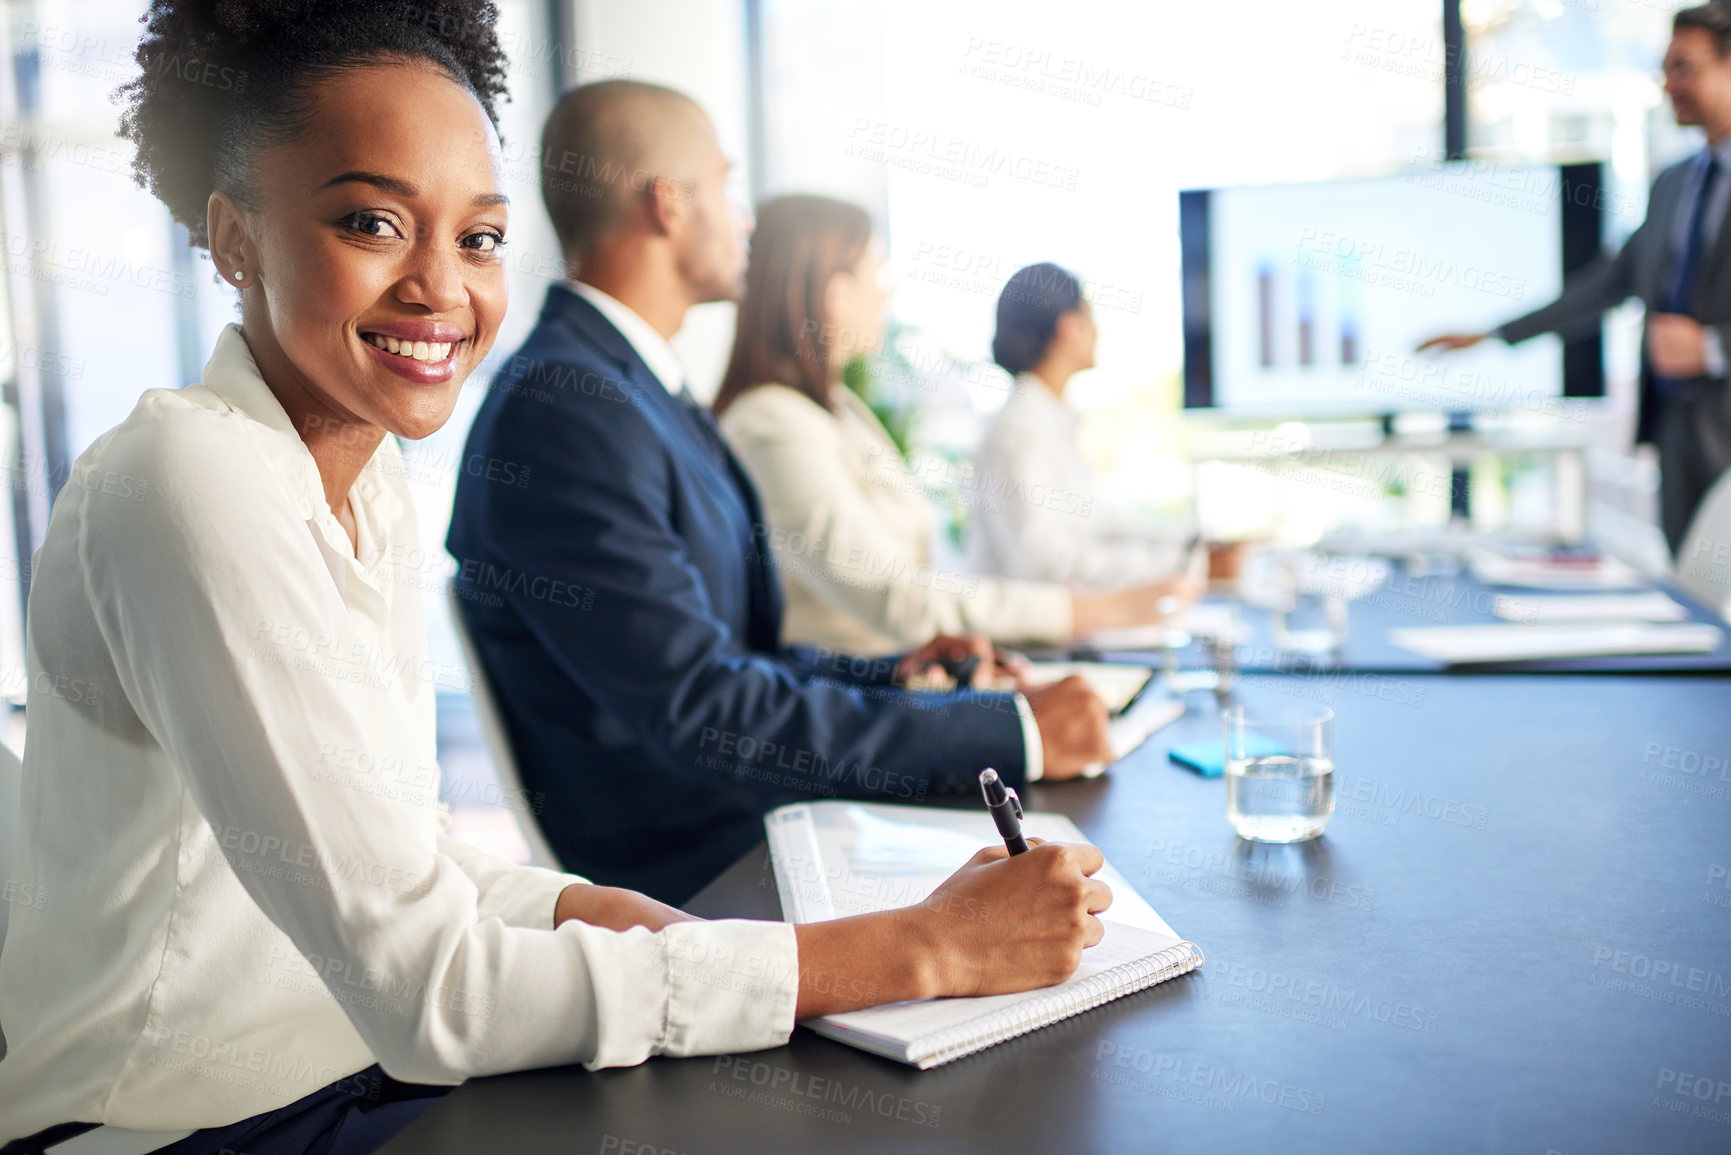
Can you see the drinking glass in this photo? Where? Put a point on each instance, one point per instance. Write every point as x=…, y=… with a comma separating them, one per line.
x=1310, y=622
x=1279, y=771
x=1217, y=628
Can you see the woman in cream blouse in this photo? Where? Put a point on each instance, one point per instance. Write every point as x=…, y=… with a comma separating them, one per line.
x=851, y=535
x=260, y=936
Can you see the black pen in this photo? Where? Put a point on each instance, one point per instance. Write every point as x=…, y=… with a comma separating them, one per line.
x=961, y=670
x=1006, y=810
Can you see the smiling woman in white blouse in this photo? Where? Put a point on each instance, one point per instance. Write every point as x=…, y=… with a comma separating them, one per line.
x=258, y=934
x=851, y=538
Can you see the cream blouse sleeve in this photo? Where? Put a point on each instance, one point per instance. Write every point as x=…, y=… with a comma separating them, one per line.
x=826, y=535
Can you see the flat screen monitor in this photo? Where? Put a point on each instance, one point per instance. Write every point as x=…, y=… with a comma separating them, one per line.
x=1310, y=299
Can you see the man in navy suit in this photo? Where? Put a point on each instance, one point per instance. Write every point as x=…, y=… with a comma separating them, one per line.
x=1679, y=264
x=619, y=589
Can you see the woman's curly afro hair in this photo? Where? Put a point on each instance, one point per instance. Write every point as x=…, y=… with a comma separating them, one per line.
x=223, y=79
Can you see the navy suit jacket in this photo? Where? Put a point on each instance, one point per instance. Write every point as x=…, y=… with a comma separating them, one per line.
x=614, y=574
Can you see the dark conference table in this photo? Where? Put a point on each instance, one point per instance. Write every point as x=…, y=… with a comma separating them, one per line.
x=1514, y=937
x=1407, y=600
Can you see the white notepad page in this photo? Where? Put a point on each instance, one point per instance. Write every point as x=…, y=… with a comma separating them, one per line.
x=834, y=859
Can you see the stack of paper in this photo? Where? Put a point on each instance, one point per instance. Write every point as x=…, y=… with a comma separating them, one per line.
x=1653, y=606
x=1606, y=573
x=1515, y=643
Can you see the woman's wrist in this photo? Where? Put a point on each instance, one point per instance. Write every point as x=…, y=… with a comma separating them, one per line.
x=1092, y=612
x=614, y=908
x=579, y=901
x=1085, y=614
x=925, y=962
x=850, y=963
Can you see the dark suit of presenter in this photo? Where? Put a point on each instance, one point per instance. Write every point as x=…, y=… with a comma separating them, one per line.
x=1688, y=421
x=628, y=621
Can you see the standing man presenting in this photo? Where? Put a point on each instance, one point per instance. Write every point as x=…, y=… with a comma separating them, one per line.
x=1679, y=264
x=622, y=596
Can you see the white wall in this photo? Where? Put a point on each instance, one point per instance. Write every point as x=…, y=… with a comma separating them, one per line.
x=699, y=49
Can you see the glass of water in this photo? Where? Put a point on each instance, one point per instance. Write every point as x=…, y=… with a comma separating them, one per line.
x=1310, y=623
x=1310, y=615
x=1217, y=628
x=1279, y=771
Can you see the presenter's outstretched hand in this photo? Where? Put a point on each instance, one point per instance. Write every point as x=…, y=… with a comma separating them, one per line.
x=1072, y=721
x=1003, y=924
x=1676, y=345
x=1448, y=342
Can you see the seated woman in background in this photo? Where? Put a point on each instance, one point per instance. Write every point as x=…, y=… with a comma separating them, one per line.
x=1045, y=336
x=852, y=541
x=261, y=936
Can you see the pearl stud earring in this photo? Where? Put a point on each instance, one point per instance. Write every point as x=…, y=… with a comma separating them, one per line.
x=238, y=275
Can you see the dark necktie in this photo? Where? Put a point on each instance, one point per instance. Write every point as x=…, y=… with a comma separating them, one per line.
x=1689, y=261
x=705, y=419
x=1683, y=279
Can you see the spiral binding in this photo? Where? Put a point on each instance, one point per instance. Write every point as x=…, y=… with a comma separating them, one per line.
x=1043, y=1010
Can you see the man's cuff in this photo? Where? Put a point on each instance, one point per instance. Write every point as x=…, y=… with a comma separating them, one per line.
x=1034, y=750
x=1712, y=352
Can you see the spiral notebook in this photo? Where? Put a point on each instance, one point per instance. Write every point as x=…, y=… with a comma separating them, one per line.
x=833, y=859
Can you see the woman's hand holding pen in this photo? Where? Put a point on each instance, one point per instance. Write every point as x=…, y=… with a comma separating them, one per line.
x=1002, y=923
x=997, y=925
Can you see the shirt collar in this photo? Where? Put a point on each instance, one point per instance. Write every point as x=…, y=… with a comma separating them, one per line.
x=656, y=351
x=1721, y=152
x=232, y=374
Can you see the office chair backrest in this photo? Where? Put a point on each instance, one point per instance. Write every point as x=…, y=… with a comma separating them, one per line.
x=11, y=786
x=498, y=742
x=1704, y=562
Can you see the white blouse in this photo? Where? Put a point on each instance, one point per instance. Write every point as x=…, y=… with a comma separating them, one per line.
x=1035, y=513
x=230, y=802
x=851, y=534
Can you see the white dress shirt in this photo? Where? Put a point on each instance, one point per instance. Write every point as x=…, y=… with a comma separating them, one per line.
x=230, y=802
x=657, y=351
x=852, y=533
x=1034, y=509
